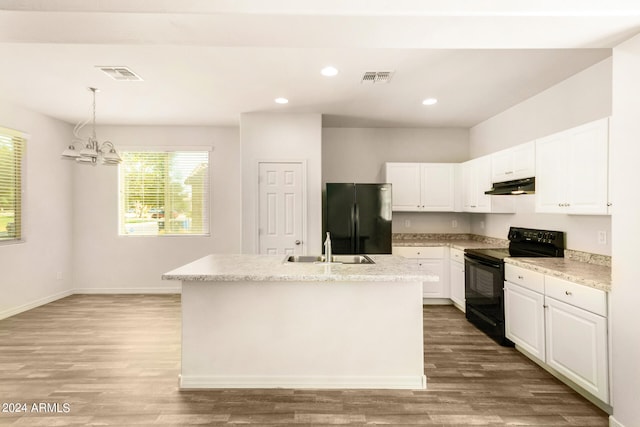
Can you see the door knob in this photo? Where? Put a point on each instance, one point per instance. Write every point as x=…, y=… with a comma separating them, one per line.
x=298, y=242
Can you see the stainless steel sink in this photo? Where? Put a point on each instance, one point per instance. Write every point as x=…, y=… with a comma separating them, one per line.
x=305, y=258
x=352, y=259
x=335, y=259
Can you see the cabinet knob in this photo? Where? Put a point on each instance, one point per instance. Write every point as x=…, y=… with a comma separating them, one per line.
x=520, y=277
x=298, y=242
x=609, y=204
x=568, y=293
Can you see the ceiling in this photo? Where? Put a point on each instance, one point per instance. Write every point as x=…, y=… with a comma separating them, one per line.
x=204, y=62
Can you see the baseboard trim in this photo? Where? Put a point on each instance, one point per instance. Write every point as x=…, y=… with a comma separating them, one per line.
x=37, y=303
x=436, y=301
x=614, y=423
x=192, y=382
x=172, y=290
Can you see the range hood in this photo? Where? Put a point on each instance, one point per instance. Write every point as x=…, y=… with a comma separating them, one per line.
x=518, y=186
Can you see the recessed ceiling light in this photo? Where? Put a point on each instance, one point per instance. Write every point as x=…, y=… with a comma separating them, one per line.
x=329, y=71
x=281, y=100
x=430, y=101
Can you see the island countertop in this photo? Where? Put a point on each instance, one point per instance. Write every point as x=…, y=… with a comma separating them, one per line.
x=271, y=268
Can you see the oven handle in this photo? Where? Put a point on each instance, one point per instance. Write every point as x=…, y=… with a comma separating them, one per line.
x=482, y=316
x=477, y=261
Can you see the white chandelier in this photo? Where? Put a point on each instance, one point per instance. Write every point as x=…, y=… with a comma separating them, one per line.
x=92, y=148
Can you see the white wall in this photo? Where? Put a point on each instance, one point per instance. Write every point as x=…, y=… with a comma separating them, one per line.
x=625, y=294
x=281, y=137
x=29, y=270
x=106, y=262
x=359, y=154
x=579, y=99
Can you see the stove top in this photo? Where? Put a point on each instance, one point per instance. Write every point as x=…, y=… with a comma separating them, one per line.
x=525, y=242
x=499, y=253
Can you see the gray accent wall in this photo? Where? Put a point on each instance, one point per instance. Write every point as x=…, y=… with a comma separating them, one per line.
x=359, y=155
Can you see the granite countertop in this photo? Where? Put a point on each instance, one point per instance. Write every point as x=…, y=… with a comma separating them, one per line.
x=271, y=268
x=592, y=275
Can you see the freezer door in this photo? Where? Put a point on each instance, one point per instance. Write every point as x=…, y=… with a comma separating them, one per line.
x=373, y=219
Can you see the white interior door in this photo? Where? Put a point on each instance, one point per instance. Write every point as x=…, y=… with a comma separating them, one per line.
x=281, y=208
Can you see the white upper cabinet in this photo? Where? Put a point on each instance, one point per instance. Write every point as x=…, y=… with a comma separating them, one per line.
x=422, y=187
x=572, y=170
x=476, y=179
x=514, y=163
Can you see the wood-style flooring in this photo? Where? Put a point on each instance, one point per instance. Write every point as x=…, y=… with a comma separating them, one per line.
x=114, y=361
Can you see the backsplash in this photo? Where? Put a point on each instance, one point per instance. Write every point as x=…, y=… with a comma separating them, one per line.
x=587, y=257
x=500, y=243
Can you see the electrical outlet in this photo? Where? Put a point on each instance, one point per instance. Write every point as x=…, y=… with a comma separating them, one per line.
x=407, y=223
x=508, y=227
x=59, y=275
x=454, y=224
x=482, y=225
x=602, y=237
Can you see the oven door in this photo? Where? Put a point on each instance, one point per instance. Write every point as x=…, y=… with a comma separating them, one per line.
x=484, y=282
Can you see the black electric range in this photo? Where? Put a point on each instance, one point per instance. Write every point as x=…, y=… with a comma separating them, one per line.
x=484, y=276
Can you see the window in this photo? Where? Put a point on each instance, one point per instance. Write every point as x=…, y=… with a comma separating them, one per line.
x=164, y=193
x=12, y=145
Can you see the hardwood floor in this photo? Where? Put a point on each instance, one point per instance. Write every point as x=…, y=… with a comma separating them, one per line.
x=114, y=360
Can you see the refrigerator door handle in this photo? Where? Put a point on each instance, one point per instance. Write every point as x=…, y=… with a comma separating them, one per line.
x=356, y=228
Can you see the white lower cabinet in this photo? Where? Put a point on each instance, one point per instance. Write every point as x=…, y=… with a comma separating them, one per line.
x=561, y=324
x=577, y=346
x=430, y=259
x=456, y=278
x=524, y=319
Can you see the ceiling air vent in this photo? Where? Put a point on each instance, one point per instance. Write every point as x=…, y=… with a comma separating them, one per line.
x=120, y=73
x=376, y=77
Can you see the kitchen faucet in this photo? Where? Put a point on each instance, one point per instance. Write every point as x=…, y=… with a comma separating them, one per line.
x=327, y=248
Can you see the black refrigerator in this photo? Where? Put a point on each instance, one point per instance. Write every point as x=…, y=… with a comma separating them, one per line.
x=358, y=216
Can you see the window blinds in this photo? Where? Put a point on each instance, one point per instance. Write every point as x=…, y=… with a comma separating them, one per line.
x=164, y=193
x=12, y=147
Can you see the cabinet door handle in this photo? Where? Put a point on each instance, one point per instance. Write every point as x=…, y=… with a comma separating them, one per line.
x=609, y=204
x=508, y=172
x=520, y=277
x=568, y=293
x=545, y=306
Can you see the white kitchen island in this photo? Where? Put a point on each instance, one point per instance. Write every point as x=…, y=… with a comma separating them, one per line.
x=253, y=321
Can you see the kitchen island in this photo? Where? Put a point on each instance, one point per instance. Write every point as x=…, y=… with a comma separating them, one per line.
x=255, y=321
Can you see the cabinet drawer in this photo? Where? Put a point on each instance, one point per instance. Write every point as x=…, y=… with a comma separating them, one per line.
x=419, y=251
x=590, y=299
x=527, y=278
x=457, y=255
